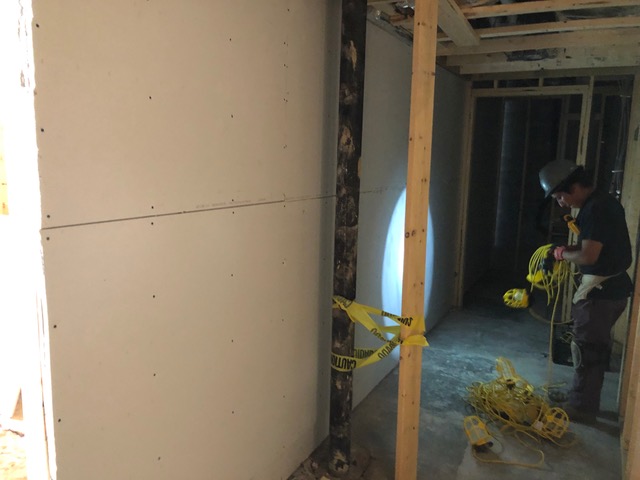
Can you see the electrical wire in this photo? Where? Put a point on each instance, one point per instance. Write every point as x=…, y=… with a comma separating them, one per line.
x=476, y=452
x=553, y=278
x=511, y=401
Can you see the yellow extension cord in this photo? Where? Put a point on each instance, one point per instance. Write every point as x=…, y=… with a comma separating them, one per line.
x=552, y=283
x=509, y=399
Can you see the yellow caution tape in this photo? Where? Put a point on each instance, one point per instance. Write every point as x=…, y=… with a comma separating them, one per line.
x=366, y=356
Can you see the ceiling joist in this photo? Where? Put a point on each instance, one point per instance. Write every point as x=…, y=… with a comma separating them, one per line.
x=452, y=22
x=592, y=38
x=569, y=58
x=549, y=27
x=540, y=6
x=592, y=35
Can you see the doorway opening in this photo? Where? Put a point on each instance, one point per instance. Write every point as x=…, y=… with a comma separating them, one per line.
x=516, y=132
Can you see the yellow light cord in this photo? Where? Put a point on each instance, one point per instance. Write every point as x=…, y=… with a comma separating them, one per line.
x=509, y=399
x=555, y=281
x=512, y=401
x=552, y=281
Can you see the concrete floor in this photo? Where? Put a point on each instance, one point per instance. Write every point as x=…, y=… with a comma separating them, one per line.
x=463, y=349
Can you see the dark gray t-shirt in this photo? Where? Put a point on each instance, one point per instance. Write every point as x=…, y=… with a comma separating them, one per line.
x=602, y=219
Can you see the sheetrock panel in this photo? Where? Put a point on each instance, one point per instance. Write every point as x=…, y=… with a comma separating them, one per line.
x=384, y=177
x=162, y=107
x=193, y=345
x=444, y=194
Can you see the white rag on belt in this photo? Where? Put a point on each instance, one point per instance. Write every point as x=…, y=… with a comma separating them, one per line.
x=588, y=283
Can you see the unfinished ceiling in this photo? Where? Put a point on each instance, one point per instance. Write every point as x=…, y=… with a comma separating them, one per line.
x=502, y=38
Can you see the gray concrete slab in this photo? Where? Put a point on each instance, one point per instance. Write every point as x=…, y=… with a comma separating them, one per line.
x=463, y=349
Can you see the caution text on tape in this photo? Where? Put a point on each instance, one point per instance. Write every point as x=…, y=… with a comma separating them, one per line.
x=365, y=356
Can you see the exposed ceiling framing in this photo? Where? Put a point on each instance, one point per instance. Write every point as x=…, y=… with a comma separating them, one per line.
x=484, y=38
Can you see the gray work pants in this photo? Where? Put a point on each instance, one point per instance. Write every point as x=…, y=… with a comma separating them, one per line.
x=592, y=323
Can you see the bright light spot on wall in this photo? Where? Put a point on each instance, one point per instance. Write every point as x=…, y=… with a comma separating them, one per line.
x=392, y=265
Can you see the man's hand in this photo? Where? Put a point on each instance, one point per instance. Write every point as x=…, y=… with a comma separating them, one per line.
x=548, y=261
x=558, y=252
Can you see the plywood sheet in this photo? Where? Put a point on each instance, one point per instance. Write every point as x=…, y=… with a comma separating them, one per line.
x=191, y=346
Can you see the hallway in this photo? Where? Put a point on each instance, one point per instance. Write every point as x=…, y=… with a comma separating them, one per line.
x=463, y=349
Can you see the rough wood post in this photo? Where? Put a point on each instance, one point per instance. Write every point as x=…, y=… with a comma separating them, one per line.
x=418, y=177
x=346, y=224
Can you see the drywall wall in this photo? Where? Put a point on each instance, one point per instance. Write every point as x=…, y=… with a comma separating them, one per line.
x=178, y=351
x=384, y=176
x=187, y=163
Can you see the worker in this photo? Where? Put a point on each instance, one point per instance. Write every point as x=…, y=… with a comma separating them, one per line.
x=603, y=255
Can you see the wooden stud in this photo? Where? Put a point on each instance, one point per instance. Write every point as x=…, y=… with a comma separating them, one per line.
x=562, y=134
x=540, y=6
x=581, y=158
x=630, y=371
x=571, y=58
x=630, y=438
x=469, y=115
x=585, y=119
x=631, y=202
x=632, y=456
x=4, y=192
x=590, y=38
x=452, y=22
x=413, y=280
x=600, y=118
x=548, y=91
x=612, y=73
x=549, y=27
x=523, y=180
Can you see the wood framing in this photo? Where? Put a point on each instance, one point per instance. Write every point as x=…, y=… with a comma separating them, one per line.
x=549, y=27
x=585, y=91
x=581, y=158
x=539, y=6
x=542, y=75
x=543, y=91
x=543, y=29
x=469, y=115
x=523, y=179
x=590, y=38
x=585, y=120
x=631, y=202
x=570, y=58
x=4, y=192
x=417, y=204
x=455, y=25
x=631, y=457
x=631, y=370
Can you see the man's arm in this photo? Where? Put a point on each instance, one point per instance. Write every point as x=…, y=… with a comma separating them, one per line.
x=586, y=253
